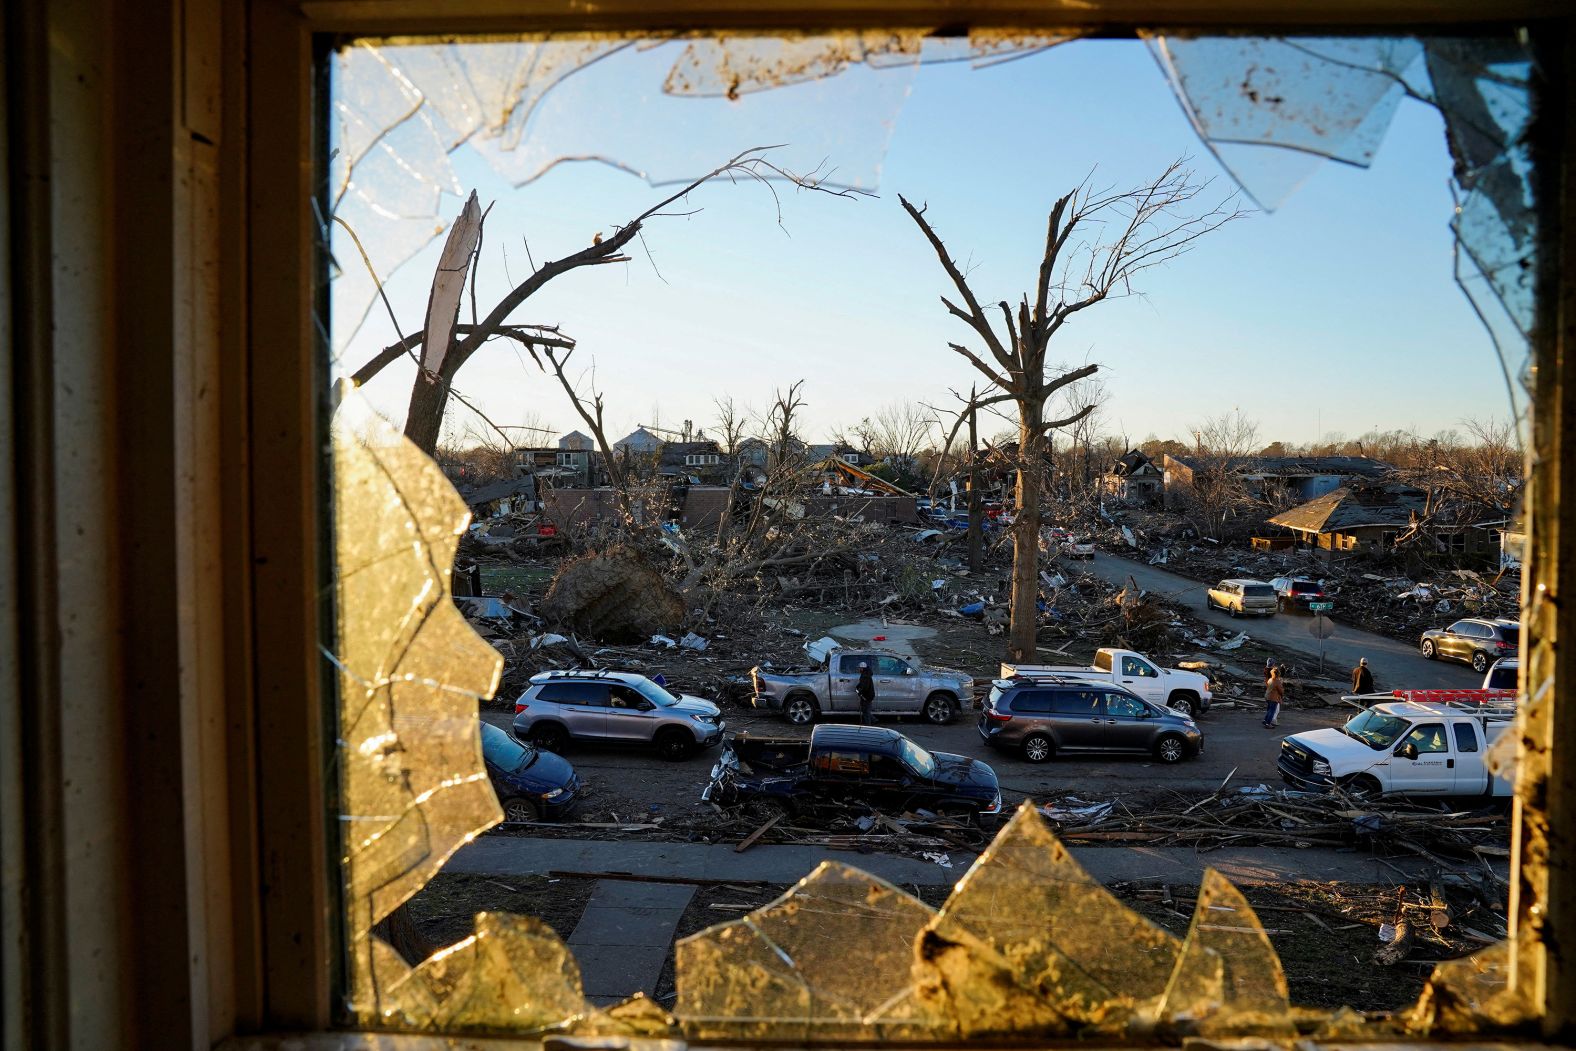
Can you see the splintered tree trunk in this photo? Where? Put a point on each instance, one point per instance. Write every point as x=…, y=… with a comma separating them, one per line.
x=428, y=400
x=1024, y=628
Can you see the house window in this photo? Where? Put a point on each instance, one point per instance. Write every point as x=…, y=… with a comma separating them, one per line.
x=1457, y=543
x=378, y=873
x=566, y=459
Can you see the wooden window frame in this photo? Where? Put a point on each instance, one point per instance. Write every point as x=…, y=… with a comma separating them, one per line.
x=164, y=761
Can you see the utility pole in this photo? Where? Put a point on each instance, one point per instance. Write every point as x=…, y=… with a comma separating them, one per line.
x=975, y=537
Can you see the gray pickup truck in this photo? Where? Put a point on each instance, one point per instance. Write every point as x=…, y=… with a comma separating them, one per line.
x=904, y=685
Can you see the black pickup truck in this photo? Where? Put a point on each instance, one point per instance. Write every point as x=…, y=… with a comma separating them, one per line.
x=871, y=764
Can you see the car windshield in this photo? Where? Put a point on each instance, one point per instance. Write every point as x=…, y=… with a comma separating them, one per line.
x=657, y=695
x=916, y=758
x=503, y=751
x=1511, y=633
x=1304, y=585
x=1258, y=591
x=1375, y=730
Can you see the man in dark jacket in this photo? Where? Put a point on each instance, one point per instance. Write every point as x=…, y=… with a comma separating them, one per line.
x=1362, y=678
x=866, y=689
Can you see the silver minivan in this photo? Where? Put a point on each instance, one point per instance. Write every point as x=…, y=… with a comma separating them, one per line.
x=1238, y=597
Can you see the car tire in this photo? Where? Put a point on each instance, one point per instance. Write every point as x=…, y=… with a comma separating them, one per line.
x=1363, y=788
x=1170, y=749
x=940, y=709
x=1185, y=703
x=520, y=809
x=1479, y=661
x=800, y=709
x=1428, y=649
x=674, y=744
x=1037, y=748
x=550, y=737
x=1231, y=611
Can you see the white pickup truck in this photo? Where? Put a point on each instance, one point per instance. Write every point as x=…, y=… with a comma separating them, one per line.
x=1186, y=691
x=1413, y=742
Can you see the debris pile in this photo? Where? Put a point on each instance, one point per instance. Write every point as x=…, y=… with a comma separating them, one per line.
x=1261, y=816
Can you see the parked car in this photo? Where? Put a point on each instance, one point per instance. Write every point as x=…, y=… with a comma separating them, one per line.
x=1297, y=591
x=1505, y=674
x=532, y=785
x=1240, y=597
x=1081, y=548
x=613, y=707
x=1474, y=641
x=1405, y=747
x=904, y=685
x=1046, y=717
x=874, y=764
x=1186, y=691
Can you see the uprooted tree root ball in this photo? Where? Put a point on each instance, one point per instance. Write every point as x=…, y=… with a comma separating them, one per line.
x=613, y=595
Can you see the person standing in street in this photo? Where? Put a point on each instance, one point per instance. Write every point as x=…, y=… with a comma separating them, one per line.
x=1362, y=678
x=866, y=689
x=1274, y=693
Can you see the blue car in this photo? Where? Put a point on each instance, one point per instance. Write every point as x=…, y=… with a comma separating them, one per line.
x=532, y=784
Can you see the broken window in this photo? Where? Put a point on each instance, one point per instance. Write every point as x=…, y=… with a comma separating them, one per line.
x=1028, y=944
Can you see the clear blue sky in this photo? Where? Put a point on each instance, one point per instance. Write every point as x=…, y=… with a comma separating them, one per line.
x=1337, y=311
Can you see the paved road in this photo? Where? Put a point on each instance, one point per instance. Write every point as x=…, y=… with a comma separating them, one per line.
x=1396, y=665
x=632, y=781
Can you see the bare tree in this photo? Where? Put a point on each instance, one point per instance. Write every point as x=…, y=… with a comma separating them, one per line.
x=436, y=368
x=1096, y=242
x=1084, y=402
x=900, y=431
x=1215, y=492
x=732, y=425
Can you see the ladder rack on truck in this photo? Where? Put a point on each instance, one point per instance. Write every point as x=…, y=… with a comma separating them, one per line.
x=1487, y=703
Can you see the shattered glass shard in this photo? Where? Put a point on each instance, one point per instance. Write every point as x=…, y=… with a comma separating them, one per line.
x=1228, y=978
x=411, y=669
x=1029, y=943
x=729, y=67
x=830, y=959
x=513, y=973
x=638, y=1016
x=1471, y=995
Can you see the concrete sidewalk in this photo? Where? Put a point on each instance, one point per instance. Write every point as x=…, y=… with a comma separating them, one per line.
x=622, y=939
x=783, y=863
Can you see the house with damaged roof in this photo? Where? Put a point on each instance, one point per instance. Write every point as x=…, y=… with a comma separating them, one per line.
x=1295, y=478
x=1377, y=518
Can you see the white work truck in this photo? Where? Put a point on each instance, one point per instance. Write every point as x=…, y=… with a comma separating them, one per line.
x=1409, y=743
x=1186, y=691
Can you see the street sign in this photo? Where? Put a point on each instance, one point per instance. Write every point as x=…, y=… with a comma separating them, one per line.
x=1321, y=607
x=1321, y=628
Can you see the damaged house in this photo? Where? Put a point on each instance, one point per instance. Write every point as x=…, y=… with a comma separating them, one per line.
x=1134, y=479
x=1275, y=479
x=698, y=463
x=1374, y=519
x=502, y=498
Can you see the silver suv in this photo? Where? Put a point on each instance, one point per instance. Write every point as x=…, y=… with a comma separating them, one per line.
x=615, y=707
x=1047, y=717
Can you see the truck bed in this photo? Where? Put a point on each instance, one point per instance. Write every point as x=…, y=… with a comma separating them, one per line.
x=762, y=756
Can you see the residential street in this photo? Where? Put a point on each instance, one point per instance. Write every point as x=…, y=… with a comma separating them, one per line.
x=1395, y=665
